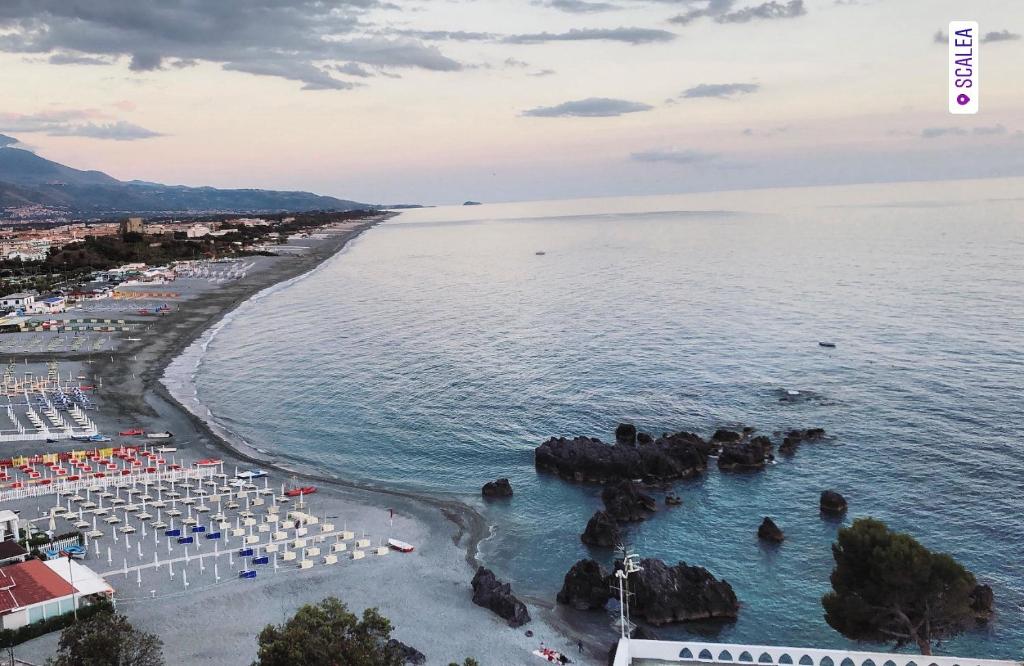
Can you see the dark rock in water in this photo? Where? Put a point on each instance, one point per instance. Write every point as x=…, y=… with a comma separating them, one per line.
x=769, y=531
x=680, y=593
x=585, y=586
x=602, y=530
x=672, y=499
x=746, y=455
x=983, y=602
x=832, y=503
x=644, y=438
x=794, y=438
x=496, y=596
x=626, y=503
x=724, y=436
x=625, y=434
x=590, y=460
x=498, y=488
x=408, y=655
x=529, y=633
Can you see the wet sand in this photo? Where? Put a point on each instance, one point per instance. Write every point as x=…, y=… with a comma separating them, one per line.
x=425, y=594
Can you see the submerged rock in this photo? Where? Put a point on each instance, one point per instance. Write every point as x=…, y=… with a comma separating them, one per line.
x=769, y=531
x=794, y=438
x=602, y=530
x=644, y=438
x=585, y=586
x=626, y=503
x=586, y=459
x=625, y=434
x=497, y=488
x=743, y=456
x=680, y=593
x=491, y=593
x=409, y=655
x=723, y=436
x=832, y=503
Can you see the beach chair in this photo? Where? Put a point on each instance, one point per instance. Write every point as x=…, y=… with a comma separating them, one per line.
x=213, y=535
x=245, y=552
x=247, y=573
x=186, y=539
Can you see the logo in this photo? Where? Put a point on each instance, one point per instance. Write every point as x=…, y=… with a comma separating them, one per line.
x=964, y=90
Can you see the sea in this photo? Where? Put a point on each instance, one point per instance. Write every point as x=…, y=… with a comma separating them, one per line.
x=436, y=351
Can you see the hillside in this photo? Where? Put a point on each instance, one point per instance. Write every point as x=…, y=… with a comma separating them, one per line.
x=27, y=179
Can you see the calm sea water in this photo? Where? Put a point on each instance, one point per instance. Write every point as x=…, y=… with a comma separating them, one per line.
x=439, y=349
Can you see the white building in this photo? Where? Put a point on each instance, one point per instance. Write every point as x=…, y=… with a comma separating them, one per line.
x=35, y=590
x=20, y=301
x=198, y=231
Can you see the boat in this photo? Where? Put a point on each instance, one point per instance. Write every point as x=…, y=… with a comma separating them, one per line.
x=251, y=474
x=166, y=449
x=131, y=432
x=299, y=492
x=209, y=462
x=160, y=435
x=830, y=345
x=400, y=546
x=540, y=253
x=98, y=438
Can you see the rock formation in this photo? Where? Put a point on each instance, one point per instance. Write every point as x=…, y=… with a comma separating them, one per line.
x=602, y=530
x=497, y=488
x=832, y=503
x=586, y=459
x=794, y=438
x=769, y=531
x=983, y=602
x=625, y=503
x=585, y=586
x=410, y=655
x=680, y=593
x=625, y=434
x=496, y=596
x=744, y=456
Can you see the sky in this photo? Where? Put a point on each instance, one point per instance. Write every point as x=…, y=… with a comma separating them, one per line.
x=440, y=101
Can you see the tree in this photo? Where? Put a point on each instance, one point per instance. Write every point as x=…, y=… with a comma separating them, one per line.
x=470, y=661
x=887, y=587
x=327, y=634
x=107, y=639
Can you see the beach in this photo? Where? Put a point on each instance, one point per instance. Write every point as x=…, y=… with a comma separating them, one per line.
x=425, y=594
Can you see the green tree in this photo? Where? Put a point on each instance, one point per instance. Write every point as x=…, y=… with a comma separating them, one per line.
x=470, y=661
x=327, y=634
x=107, y=639
x=887, y=587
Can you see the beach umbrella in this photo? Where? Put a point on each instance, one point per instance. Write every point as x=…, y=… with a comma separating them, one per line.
x=138, y=577
x=96, y=548
x=139, y=544
x=170, y=569
x=216, y=574
x=110, y=556
x=156, y=562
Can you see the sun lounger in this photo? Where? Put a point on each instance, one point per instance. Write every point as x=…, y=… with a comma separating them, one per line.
x=288, y=555
x=383, y=550
x=312, y=552
x=247, y=573
x=339, y=547
x=213, y=535
x=186, y=539
x=363, y=543
x=358, y=554
x=330, y=559
x=172, y=533
x=306, y=564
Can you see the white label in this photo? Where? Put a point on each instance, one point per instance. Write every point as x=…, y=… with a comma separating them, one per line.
x=964, y=43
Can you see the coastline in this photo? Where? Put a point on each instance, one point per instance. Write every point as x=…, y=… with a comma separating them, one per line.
x=447, y=531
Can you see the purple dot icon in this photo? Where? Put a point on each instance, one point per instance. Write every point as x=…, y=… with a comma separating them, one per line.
x=962, y=99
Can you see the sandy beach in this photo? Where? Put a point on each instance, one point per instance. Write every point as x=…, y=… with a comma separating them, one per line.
x=425, y=594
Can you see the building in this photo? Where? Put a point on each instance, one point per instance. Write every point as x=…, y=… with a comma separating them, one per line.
x=20, y=301
x=50, y=305
x=8, y=525
x=35, y=590
x=197, y=231
x=133, y=225
x=11, y=552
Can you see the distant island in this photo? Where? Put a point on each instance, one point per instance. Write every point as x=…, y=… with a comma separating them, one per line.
x=472, y=203
x=35, y=188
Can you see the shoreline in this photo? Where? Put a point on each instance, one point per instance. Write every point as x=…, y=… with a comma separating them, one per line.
x=447, y=532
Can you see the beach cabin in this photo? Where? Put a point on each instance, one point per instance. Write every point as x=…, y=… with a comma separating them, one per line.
x=34, y=590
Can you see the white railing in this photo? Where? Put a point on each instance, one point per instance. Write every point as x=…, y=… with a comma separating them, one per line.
x=766, y=655
x=60, y=486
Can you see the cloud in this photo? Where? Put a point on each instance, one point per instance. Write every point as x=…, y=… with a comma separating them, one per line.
x=593, y=107
x=627, y=35
x=722, y=12
x=720, y=90
x=768, y=132
x=115, y=131
x=993, y=130
x=78, y=59
x=936, y=132
x=291, y=39
x=941, y=37
x=1000, y=36
x=354, y=69
x=674, y=156
x=74, y=122
x=577, y=6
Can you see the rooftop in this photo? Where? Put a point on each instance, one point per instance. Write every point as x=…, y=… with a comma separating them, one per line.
x=28, y=583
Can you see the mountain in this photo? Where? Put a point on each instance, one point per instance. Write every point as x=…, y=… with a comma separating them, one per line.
x=27, y=179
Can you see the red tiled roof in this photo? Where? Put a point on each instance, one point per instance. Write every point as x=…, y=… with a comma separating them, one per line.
x=30, y=583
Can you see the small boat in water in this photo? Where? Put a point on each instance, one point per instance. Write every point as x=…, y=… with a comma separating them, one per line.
x=160, y=435
x=830, y=345
x=400, y=546
x=132, y=432
x=299, y=492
